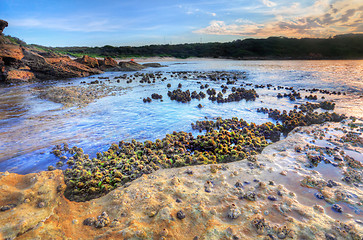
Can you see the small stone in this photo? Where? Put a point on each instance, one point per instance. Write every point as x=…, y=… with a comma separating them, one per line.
x=272, y=198
x=233, y=212
x=337, y=208
x=318, y=208
x=251, y=196
x=89, y=221
x=189, y=171
x=164, y=232
x=238, y=184
x=318, y=195
x=60, y=164
x=331, y=184
x=102, y=220
x=7, y=207
x=180, y=215
x=283, y=173
x=41, y=204
x=51, y=168
x=281, y=235
x=75, y=221
x=329, y=236
x=114, y=223
x=178, y=200
x=26, y=200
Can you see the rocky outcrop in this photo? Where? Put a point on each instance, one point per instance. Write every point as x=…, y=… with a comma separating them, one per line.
x=23, y=63
x=3, y=24
x=107, y=63
x=153, y=65
x=89, y=61
x=11, y=52
x=56, y=67
x=130, y=66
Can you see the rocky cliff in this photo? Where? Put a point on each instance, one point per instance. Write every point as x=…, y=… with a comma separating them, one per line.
x=24, y=63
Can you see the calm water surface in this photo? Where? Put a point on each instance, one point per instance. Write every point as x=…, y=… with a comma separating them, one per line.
x=30, y=126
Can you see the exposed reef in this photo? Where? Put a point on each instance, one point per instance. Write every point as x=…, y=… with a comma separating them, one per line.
x=218, y=201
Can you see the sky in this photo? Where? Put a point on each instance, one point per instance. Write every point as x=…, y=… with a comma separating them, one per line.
x=145, y=22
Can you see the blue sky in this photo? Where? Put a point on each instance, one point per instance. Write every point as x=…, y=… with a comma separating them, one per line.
x=143, y=22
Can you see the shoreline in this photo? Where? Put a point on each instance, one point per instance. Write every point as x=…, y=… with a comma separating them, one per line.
x=149, y=207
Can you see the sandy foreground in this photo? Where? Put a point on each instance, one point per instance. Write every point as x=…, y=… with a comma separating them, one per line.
x=272, y=196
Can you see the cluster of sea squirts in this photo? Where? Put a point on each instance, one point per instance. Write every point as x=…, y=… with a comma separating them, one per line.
x=224, y=141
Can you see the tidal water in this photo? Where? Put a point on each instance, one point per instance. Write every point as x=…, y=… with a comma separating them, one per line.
x=30, y=126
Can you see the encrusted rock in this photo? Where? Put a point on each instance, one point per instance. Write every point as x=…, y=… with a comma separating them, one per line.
x=102, y=220
x=233, y=212
x=89, y=221
x=180, y=215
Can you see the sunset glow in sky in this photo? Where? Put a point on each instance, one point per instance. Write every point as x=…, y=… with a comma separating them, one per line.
x=143, y=22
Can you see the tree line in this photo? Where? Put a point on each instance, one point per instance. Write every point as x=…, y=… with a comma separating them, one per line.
x=348, y=46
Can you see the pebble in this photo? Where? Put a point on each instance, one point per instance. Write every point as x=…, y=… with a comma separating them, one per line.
x=189, y=171
x=180, y=215
x=89, y=221
x=164, y=232
x=337, y=208
x=329, y=236
x=102, y=220
x=233, y=212
x=238, y=184
x=272, y=198
x=318, y=195
x=7, y=207
x=41, y=204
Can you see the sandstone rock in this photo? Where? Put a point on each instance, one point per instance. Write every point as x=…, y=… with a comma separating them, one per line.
x=89, y=61
x=61, y=68
x=130, y=66
x=153, y=65
x=109, y=62
x=19, y=75
x=10, y=52
x=3, y=24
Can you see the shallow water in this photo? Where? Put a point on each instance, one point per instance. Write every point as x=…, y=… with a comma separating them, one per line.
x=30, y=126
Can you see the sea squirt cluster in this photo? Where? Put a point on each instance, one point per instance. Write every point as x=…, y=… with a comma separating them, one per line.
x=234, y=139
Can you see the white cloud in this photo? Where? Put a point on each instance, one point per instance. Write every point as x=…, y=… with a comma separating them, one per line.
x=269, y=3
x=67, y=24
x=322, y=19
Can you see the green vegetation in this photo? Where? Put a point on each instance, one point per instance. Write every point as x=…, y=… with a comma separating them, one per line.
x=347, y=46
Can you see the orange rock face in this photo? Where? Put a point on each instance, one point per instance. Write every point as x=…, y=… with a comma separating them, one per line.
x=11, y=51
x=19, y=75
x=109, y=62
x=89, y=61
